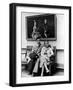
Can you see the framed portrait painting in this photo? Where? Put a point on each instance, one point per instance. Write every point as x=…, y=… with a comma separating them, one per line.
x=40, y=44
x=45, y=27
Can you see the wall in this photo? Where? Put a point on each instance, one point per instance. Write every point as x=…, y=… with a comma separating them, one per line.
x=59, y=43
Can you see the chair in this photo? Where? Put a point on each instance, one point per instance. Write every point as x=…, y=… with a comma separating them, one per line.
x=53, y=63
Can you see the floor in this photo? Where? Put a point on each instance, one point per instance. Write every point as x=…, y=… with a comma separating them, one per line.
x=58, y=72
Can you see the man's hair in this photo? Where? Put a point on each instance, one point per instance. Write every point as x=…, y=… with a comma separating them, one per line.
x=46, y=42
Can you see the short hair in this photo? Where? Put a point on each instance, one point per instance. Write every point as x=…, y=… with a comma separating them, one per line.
x=46, y=42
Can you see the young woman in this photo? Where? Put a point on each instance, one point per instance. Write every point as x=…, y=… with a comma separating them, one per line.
x=46, y=53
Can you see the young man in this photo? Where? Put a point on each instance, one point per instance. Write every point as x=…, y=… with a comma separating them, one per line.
x=38, y=51
x=33, y=58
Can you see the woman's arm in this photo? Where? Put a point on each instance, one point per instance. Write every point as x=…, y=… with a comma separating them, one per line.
x=50, y=52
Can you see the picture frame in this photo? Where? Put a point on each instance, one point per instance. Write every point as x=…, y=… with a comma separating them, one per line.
x=20, y=46
x=40, y=21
